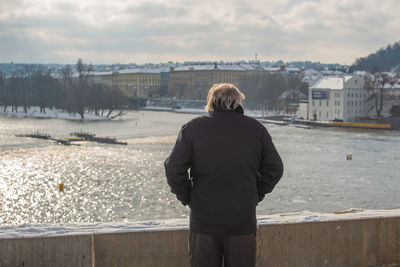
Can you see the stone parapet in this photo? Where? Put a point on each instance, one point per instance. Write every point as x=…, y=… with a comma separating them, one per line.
x=371, y=241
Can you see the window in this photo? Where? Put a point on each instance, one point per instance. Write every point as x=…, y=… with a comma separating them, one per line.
x=338, y=103
x=319, y=114
x=327, y=114
x=327, y=103
x=320, y=103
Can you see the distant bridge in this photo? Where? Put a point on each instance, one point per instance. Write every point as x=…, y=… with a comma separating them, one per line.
x=168, y=102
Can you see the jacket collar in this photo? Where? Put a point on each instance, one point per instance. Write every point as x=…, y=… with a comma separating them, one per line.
x=239, y=109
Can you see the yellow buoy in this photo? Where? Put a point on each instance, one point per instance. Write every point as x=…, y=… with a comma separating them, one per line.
x=61, y=187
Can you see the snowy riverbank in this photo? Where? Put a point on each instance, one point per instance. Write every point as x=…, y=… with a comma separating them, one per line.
x=39, y=230
x=250, y=113
x=34, y=112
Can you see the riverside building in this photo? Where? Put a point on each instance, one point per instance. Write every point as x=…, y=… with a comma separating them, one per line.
x=135, y=82
x=194, y=82
x=338, y=98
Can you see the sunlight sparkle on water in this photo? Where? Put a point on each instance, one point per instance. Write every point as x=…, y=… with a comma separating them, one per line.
x=106, y=183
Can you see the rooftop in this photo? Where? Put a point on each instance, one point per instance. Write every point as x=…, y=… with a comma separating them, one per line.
x=328, y=82
x=211, y=67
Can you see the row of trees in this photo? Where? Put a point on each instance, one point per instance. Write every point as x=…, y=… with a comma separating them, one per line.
x=382, y=91
x=72, y=90
x=262, y=88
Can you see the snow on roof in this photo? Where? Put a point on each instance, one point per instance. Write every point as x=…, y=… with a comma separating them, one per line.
x=389, y=74
x=210, y=67
x=310, y=79
x=101, y=73
x=309, y=72
x=230, y=67
x=347, y=77
x=272, y=68
x=332, y=73
x=328, y=82
x=391, y=86
x=248, y=66
x=194, y=67
x=132, y=71
x=278, y=69
x=362, y=73
x=293, y=69
x=292, y=93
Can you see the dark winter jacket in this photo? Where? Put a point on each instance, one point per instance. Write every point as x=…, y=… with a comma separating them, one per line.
x=233, y=164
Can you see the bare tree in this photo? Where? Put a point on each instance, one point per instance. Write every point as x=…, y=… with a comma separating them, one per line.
x=262, y=89
x=115, y=100
x=81, y=91
x=395, y=111
x=43, y=86
x=75, y=92
x=3, y=91
x=376, y=87
x=77, y=87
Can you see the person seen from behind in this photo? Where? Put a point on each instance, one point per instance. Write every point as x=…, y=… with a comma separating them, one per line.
x=222, y=166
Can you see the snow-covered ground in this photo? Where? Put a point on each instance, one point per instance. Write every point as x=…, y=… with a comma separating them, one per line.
x=182, y=110
x=54, y=114
x=40, y=230
x=61, y=114
x=250, y=113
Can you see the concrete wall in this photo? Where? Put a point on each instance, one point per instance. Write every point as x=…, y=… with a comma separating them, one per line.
x=356, y=242
x=47, y=251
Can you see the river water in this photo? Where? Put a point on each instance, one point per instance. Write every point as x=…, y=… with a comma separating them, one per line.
x=114, y=183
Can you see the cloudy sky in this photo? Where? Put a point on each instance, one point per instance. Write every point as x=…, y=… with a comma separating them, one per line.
x=139, y=31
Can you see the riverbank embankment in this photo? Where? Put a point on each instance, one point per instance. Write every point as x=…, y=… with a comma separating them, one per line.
x=47, y=113
x=349, y=238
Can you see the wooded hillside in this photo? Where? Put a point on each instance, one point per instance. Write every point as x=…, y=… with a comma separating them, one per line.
x=385, y=59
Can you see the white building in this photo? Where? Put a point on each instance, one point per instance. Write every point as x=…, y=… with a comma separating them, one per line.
x=337, y=98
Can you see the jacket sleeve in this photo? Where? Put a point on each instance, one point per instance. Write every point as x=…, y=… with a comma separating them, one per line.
x=177, y=166
x=271, y=166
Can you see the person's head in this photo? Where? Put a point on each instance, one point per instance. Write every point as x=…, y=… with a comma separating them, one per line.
x=224, y=96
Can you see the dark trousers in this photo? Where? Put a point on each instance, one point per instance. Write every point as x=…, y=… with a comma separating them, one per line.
x=210, y=250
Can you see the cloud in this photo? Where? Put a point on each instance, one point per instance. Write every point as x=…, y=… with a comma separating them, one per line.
x=105, y=31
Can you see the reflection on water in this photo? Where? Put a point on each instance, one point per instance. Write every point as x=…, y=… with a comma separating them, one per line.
x=101, y=184
x=116, y=183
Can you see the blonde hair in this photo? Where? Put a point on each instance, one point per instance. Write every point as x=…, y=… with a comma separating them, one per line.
x=224, y=95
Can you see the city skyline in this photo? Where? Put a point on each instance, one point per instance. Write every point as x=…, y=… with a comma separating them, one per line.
x=107, y=32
